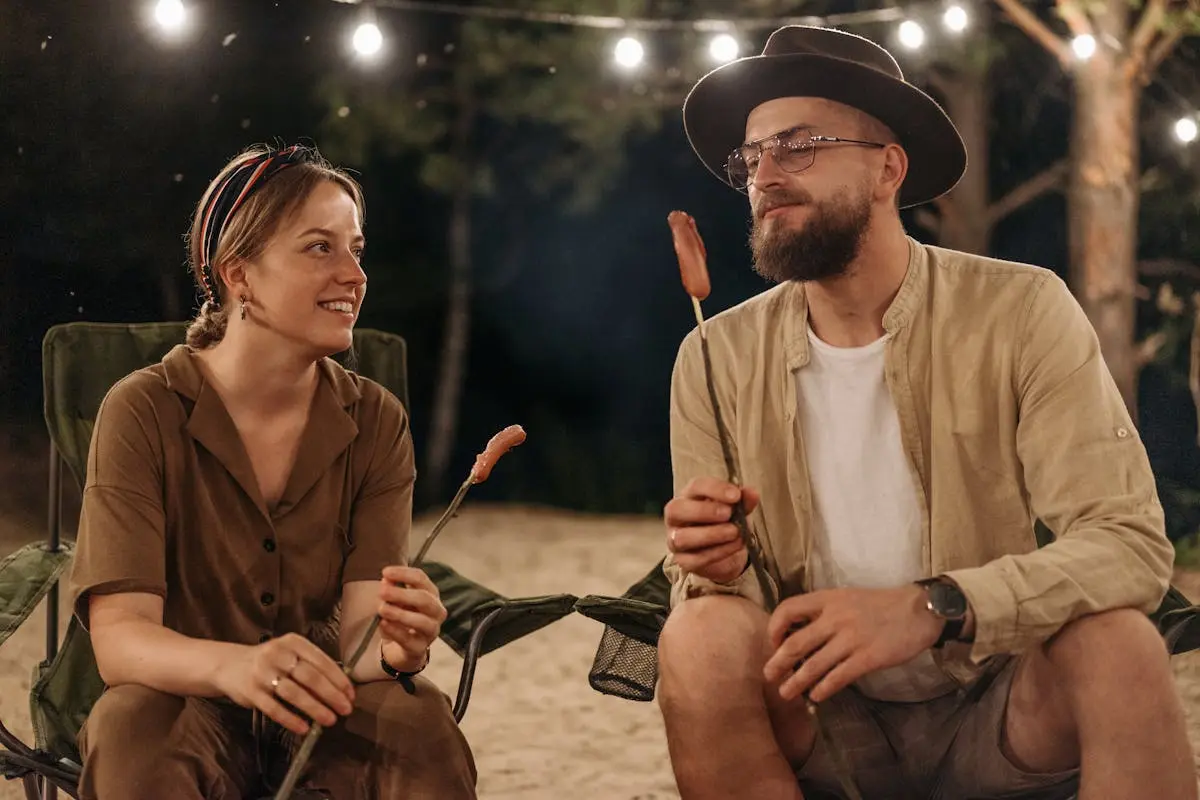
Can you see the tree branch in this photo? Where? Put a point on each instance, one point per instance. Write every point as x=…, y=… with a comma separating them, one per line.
x=1027, y=191
x=1148, y=348
x=1037, y=30
x=1075, y=17
x=1159, y=52
x=1169, y=268
x=1150, y=24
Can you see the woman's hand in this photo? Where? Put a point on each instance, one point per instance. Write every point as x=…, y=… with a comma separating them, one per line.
x=411, y=616
x=288, y=671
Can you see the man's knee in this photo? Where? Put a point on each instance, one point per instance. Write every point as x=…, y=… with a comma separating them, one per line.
x=714, y=626
x=711, y=650
x=1122, y=640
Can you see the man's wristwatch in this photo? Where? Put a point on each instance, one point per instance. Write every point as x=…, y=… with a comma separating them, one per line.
x=949, y=603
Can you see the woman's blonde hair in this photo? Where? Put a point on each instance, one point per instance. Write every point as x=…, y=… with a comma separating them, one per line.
x=238, y=214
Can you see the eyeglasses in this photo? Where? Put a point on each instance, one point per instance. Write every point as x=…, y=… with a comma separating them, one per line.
x=794, y=150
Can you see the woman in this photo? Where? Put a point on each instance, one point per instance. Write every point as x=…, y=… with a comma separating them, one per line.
x=246, y=512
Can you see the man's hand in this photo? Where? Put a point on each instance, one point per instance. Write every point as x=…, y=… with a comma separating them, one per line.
x=840, y=635
x=699, y=531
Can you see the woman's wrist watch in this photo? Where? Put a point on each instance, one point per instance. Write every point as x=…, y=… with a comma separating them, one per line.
x=946, y=601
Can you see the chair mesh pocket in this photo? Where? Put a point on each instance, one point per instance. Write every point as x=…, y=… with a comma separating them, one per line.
x=624, y=667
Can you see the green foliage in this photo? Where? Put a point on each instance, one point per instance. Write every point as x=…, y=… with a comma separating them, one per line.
x=1187, y=552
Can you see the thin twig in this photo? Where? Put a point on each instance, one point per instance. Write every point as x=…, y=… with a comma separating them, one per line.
x=1049, y=179
x=500, y=444
x=754, y=556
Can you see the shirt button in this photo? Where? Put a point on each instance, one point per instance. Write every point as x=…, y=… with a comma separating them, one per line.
x=1122, y=433
x=269, y=545
x=267, y=598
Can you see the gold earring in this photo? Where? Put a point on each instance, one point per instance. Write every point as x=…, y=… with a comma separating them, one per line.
x=243, y=298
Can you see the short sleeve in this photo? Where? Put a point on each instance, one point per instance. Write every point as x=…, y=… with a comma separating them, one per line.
x=120, y=544
x=381, y=512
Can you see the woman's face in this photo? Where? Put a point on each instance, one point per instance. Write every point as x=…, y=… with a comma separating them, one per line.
x=308, y=284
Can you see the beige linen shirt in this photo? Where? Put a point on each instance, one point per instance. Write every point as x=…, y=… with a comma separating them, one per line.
x=1008, y=414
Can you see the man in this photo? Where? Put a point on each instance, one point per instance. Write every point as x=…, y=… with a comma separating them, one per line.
x=901, y=413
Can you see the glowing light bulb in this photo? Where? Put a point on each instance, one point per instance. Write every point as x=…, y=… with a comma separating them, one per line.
x=912, y=35
x=955, y=19
x=723, y=48
x=368, y=39
x=1186, y=130
x=1084, y=46
x=170, y=15
x=629, y=52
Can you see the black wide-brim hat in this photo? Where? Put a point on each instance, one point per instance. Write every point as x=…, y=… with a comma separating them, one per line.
x=803, y=61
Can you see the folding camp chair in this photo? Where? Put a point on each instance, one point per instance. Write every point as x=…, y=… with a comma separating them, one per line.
x=80, y=362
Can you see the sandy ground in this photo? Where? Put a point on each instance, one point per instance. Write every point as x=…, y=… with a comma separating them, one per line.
x=537, y=728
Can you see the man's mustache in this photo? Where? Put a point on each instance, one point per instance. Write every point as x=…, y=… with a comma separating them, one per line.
x=769, y=204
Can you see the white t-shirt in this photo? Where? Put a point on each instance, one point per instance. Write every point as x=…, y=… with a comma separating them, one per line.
x=867, y=529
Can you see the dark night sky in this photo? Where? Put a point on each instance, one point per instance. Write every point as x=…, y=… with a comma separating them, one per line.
x=575, y=329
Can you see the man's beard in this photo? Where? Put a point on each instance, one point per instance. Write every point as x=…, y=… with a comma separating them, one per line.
x=823, y=248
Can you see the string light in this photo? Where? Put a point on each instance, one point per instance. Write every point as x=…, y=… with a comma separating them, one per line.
x=170, y=15
x=955, y=19
x=1084, y=46
x=1186, y=130
x=723, y=48
x=368, y=39
x=889, y=14
x=628, y=52
x=912, y=35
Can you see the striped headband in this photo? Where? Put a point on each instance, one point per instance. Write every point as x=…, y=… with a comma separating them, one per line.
x=228, y=197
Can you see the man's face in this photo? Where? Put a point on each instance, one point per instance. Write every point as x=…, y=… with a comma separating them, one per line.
x=809, y=225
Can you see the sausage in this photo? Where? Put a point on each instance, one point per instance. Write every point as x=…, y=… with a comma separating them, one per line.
x=497, y=446
x=693, y=257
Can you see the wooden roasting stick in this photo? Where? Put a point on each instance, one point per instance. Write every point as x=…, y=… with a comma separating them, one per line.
x=693, y=268
x=497, y=446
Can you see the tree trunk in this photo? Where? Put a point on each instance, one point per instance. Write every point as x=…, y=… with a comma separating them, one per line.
x=453, y=363
x=1102, y=200
x=965, y=224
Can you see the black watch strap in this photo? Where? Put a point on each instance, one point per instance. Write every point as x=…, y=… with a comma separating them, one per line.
x=950, y=632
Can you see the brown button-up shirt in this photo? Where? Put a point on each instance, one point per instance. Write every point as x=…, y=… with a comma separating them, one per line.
x=171, y=506
x=1007, y=414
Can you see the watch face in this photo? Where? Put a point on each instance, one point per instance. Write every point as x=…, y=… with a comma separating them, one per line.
x=947, y=600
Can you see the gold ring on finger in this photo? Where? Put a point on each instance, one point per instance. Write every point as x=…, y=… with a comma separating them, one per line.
x=275, y=685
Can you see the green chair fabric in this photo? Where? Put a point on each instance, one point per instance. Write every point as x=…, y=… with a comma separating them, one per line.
x=81, y=361
x=467, y=602
x=25, y=578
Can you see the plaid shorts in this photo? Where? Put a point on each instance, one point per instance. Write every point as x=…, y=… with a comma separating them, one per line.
x=947, y=748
